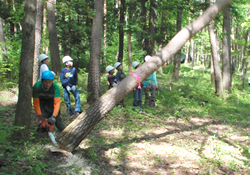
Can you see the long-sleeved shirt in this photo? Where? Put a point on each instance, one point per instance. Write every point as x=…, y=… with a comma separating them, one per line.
x=151, y=79
x=68, y=77
x=46, y=102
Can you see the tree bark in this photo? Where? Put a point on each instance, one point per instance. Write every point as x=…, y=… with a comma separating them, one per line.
x=2, y=42
x=76, y=131
x=53, y=40
x=226, y=51
x=38, y=39
x=23, y=117
x=94, y=81
x=121, y=32
x=177, y=57
x=215, y=59
x=130, y=15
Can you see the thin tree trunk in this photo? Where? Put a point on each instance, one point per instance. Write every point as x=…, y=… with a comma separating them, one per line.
x=104, y=33
x=94, y=81
x=38, y=38
x=23, y=117
x=226, y=49
x=130, y=15
x=76, y=131
x=215, y=61
x=121, y=32
x=2, y=43
x=177, y=58
x=244, y=62
x=53, y=40
x=187, y=52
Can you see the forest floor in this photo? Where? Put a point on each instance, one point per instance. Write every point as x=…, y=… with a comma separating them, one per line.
x=126, y=142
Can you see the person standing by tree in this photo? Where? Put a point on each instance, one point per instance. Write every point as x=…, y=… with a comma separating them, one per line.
x=138, y=90
x=44, y=59
x=120, y=75
x=69, y=79
x=150, y=85
x=112, y=81
x=46, y=99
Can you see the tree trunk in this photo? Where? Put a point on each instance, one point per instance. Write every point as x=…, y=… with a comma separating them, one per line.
x=53, y=40
x=2, y=42
x=177, y=58
x=187, y=52
x=38, y=38
x=121, y=32
x=94, y=82
x=23, y=117
x=104, y=34
x=226, y=50
x=76, y=131
x=130, y=15
x=215, y=59
x=244, y=61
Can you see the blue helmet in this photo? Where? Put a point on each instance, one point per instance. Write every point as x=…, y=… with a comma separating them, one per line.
x=47, y=75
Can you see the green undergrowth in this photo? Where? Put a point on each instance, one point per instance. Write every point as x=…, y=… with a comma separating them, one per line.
x=193, y=96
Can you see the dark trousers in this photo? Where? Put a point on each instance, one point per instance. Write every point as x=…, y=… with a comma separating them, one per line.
x=137, y=98
x=150, y=95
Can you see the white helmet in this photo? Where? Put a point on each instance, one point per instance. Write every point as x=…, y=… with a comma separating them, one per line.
x=117, y=64
x=66, y=59
x=109, y=68
x=147, y=58
x=135, y=64
x=42, y=57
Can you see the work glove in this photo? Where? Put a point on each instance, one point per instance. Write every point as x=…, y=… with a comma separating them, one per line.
x=40, y=117
x=51, y=120
x=68, y=88
x=73, y=88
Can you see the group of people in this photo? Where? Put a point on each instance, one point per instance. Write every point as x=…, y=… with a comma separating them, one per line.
x=149, y=86
x=47, y=99
x=46, y=94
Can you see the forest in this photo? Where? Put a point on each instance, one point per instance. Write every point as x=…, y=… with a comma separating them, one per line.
x=200, y=54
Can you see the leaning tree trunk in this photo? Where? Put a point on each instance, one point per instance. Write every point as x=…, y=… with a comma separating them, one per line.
x=23, y=117
x=226, y=50
x=38, y=38
x=76, y=131
x=177, y=57
x=215, y=59
x=53, y=40
x=94, y=82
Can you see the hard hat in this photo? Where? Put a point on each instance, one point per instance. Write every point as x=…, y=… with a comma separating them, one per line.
x=135, y=64
x=109, y=68
x=66, y=59
x=42, y=57
x=117, y=64
x=147, y=58
x=47, y=75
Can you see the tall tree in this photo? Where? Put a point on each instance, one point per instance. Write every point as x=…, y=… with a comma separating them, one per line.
x=121, y=32
x=53, y=40
x=226, y=50
x=23, y=110
x=130, y=16
x=177, y=57
x=76, y=131
x=94, y=82
x=149, y=40
x=2, y=42
x=215, y=58
x=38, y=38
